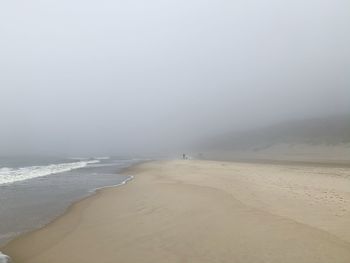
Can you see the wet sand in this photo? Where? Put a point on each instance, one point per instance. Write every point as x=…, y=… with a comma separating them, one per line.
x=203, y=211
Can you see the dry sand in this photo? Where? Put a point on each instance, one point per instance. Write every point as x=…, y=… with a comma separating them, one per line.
x=203, y=211
x=299, y=153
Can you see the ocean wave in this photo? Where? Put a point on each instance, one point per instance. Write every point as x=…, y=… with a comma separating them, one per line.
x=103, y=158
x=129, y=178
x=4, y=258
x=10, y=175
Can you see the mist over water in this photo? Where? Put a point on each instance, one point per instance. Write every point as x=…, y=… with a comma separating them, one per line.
x=148, y=78
x=116, y=77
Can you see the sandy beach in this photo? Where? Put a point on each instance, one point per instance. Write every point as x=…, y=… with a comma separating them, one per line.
x=203, y=211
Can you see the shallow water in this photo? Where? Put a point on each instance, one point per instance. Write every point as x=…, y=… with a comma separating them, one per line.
x=29, y=204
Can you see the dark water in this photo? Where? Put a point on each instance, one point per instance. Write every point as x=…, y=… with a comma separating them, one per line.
x=31, y=203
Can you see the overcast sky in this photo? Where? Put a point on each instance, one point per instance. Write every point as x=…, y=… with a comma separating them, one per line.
x=88, y=76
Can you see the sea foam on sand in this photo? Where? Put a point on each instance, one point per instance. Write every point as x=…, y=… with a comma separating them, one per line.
x=4, y=258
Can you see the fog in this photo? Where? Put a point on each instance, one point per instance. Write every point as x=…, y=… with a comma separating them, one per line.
x=121, y=77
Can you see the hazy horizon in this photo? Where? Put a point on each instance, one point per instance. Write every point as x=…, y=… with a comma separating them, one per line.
x=111, y=77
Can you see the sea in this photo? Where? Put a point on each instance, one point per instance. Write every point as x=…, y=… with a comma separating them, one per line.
x=35, y=190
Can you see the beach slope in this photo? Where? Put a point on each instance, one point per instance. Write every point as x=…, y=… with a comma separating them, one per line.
x=203, y=211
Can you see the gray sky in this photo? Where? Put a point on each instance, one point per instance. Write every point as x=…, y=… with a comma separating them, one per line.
x=127, y=76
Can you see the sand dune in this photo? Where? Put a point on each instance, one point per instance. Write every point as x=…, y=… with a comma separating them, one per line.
x=203, y=211
x=324, y=139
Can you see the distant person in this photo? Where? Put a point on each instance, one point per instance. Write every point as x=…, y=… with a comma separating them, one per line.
x=184, y=156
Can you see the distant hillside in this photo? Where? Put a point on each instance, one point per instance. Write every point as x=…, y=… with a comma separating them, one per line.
x=313, y=137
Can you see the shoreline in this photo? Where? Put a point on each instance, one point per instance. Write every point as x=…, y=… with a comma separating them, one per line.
x=70, y=207
x=91, y=194
x=4, y=258
x=153, y=182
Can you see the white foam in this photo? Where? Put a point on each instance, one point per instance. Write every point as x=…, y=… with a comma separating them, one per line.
x=129, y=178
x=10, y=175
x=4, y=258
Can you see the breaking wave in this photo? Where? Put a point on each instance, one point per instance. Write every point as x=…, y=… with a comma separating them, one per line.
x=4, y=258
x=11, y=175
